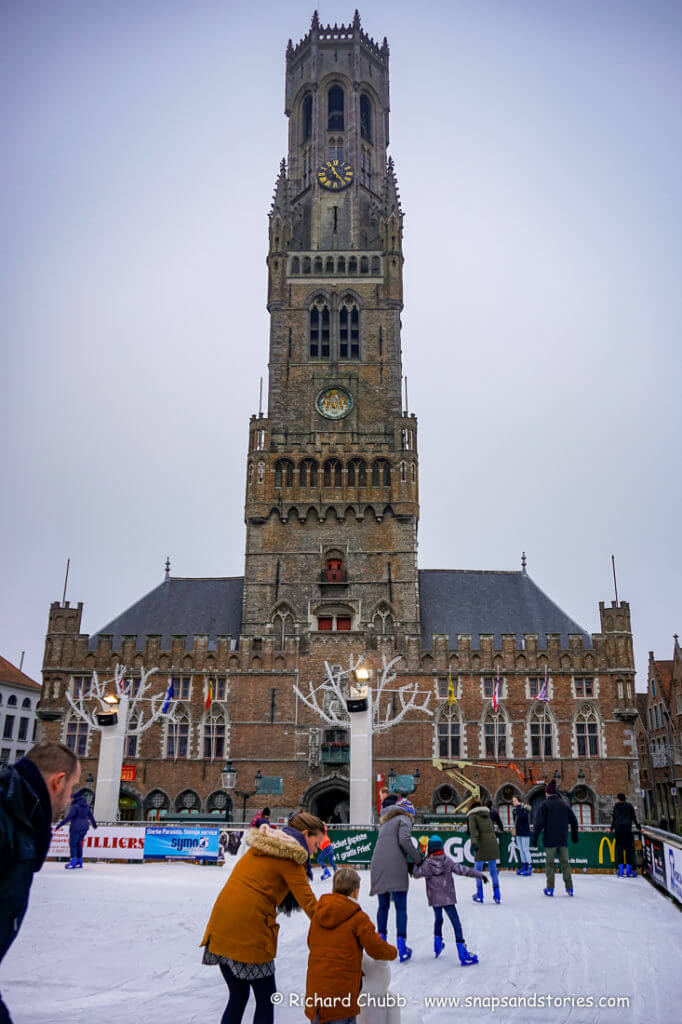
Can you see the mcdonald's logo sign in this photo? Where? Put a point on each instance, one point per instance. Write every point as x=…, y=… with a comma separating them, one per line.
x=610, y=846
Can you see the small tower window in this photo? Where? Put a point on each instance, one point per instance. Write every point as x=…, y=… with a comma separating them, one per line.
x=307, y=117
x=357, y=473
x=332, y=473
x=336, y=149
x=308, y=473
x=317, y=265
x=381, y=473
x=366, y=117
x=335, y=101
x=319, y=330
x=334, y=570
x=349, y=330
x=284, y=473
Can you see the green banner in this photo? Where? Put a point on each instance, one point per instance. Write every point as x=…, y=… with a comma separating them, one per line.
x=594, y=851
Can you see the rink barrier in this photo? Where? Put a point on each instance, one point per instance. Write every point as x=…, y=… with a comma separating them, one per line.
x=595, y=850
x=662, y=852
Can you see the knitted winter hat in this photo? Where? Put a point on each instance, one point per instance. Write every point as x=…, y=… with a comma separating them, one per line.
x=405, y=805
x=435, y=844
x=550, y=788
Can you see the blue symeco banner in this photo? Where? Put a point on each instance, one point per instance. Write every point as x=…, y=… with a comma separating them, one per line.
x=190, y=843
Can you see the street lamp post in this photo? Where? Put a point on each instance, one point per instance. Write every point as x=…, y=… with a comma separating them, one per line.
x=246, y=794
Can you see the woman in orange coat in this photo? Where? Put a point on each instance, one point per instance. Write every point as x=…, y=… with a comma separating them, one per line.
x=241, y=935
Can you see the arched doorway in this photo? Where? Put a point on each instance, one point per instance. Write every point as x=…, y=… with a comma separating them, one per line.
x=129, y=805
x=329, y=799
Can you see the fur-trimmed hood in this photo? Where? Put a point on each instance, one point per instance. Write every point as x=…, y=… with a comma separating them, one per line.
x=393, y=812
x=479, y=810
x=274, y=842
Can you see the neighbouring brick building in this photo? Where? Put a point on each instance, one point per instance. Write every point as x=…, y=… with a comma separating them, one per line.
x=659, y=738
x=19, y=695
x=331, y=511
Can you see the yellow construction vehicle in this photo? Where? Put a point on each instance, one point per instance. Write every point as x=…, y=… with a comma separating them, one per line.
x=454, y=770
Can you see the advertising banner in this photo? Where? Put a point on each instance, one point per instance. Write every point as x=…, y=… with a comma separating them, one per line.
x=108, y=842
x=673, y=860
x=190, y=843
x=655, y=859
x=594, y=851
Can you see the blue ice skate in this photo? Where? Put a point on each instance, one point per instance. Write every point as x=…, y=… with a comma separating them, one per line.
x=548, y=892
x=465, y=957
x=621, y=870
x=630, y=872
x=496, y=894
x=477, y=897
x=404, y=951
x=438, y=945
x=528, y=870
x=569, y=890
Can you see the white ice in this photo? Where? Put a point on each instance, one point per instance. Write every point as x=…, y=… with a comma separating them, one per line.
x=119, y=944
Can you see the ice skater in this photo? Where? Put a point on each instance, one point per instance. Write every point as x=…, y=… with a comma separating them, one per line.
x=325, y=856
x=241, y=936
x=79, y=819
x=389, y=874
x=438, y=870
x=339, y=932
x=484, y=847
x=623, y=819
x=521, y=833
x=554, y=818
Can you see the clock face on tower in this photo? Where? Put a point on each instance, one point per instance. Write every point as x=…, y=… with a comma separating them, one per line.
x=334, y=403
x=335, y=174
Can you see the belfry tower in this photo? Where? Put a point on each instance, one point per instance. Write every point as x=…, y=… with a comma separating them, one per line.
x=332, y=480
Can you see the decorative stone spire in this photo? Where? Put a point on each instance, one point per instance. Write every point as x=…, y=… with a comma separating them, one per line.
x=523, y=562
x=391, y=193
x=280, y=198
x=356, y=21
x=167, y=577
x=315, y=22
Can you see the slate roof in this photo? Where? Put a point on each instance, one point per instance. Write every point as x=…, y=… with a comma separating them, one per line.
x=9, y=673
x=474, y=601
x=190, y=607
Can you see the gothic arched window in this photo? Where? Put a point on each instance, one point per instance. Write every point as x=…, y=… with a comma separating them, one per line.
x=332, y=473
x=283, y=626
x=335, y=102
x=495, y=734
x=382, y=621
x=319, y=329
x=284, y=473
x=587, y=732
x=541, y=732
x=357, y=473
x=214, y=734
x=448, y=731
x=381, y=473
x=131, y=737
x=307, y=116
x=77, y=736
x=307, y=472
x=366, y=117
x=177, y=735
x=349, y=330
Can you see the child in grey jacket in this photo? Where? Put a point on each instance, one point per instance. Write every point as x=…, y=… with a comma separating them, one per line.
x=438, y=870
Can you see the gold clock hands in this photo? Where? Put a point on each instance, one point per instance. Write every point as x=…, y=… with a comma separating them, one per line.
x=336, y=174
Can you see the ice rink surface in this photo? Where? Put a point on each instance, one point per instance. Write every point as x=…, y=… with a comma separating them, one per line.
x=119, y=944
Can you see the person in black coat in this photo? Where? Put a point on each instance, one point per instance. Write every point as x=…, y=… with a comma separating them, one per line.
x=79, y=819
x=553, y=821
x=32, y=791
x=623, y=819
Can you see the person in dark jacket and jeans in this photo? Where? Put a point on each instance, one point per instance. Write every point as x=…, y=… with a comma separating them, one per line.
x=32, y=792
x=623, y=819
x=553, y=820
x=79, y=819
x=521, y=813
x=438, y=870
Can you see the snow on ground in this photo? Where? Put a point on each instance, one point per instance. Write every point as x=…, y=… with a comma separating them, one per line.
x=119, y=944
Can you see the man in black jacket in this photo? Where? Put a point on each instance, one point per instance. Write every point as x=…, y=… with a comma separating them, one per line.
x=623, y=819
x=553, y=819
x=32, y=792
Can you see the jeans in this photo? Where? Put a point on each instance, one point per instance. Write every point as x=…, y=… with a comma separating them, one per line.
x=337, y=1020
x=562, y=853
x=76, y=844
x=451, y=911
x=326, y=857
x=263, y=989
x=625, y=844
x=400, y=903
x=491, y=865
x=523, y=843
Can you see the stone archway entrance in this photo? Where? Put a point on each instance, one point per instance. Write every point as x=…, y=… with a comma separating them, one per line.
x=329, y=799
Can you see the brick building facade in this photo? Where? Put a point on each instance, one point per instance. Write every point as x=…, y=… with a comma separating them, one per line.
x=331, y=512
x=659, y=739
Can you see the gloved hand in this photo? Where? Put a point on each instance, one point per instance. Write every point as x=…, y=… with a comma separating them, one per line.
x=485, y=879
x=474, y=850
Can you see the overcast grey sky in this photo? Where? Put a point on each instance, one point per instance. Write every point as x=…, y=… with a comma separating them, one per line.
x=537, y=147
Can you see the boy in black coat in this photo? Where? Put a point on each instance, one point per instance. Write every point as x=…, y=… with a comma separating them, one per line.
x=554, y=818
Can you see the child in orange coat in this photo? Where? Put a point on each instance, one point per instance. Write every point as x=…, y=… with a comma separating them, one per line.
x=339, y=931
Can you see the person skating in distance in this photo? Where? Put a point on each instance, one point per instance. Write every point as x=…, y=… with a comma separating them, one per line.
x=554, y=819
x=79, y=819
x=438, y=870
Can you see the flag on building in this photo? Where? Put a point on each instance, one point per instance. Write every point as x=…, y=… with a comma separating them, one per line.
x=496, y=694
x=452, y=699
x=209, y=694
x=169, y=696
